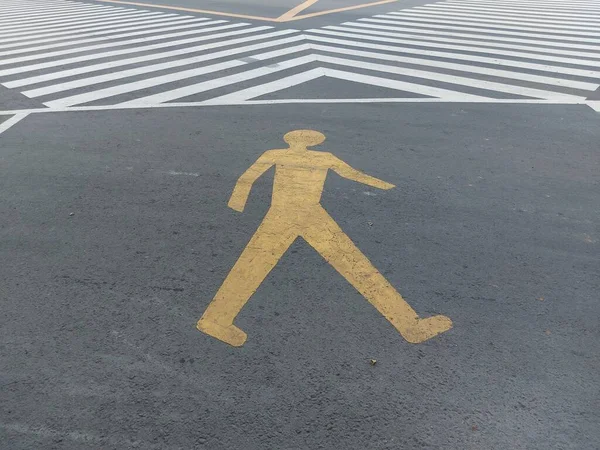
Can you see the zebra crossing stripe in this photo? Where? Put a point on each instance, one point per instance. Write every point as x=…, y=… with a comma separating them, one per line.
x=127, y=51
x=197, y=88
x=488, y=22
x=525, y=18
x=54, y=54
x=148, y=29
x=170, y=64
x=534, y=46
x=457, y=50
x=574, y=84
x=171, y=77
x=458, y=56
x=139, y=59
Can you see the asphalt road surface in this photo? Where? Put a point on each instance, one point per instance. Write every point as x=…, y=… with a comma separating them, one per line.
x=123, y=132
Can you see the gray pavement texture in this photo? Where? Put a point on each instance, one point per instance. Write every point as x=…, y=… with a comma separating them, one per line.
x=115, y=235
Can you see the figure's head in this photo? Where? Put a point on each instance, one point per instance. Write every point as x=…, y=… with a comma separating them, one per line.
x=303, y=138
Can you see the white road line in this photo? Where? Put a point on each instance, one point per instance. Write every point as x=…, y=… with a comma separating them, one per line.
x=267, y=88
x=491, y=29
x=537, y=7
x=173, y=18
x=94, y=56
x=83, y=24
x=454, y=56
x=375, y=29
x=483, y=32
x=511, y=11
x=152, y=29
x=446, y=94
x=165, y=79
x=57, y=22
x=171, y=64
x=12, y=121
x=488, y=22
x=483, y=100
x=46, y=55
x=49, y=17
x=225, y=81
x=494, y=18
x=522, y=76
x=48, y=12
x=452, y=79
x=475, y=43
x=122, y=62
x=486, y=14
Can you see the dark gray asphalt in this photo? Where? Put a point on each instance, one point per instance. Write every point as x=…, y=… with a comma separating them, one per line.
x=115, y=235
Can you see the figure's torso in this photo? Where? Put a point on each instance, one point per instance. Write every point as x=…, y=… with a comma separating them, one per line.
x=299, y=178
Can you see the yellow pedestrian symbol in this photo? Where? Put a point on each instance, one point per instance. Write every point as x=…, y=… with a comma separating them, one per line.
x=295, y=212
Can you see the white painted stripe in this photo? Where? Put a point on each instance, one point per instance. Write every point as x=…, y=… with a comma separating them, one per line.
x=267, y=88
x=46, y=90
x=425, y=11
x=486, y=13
x=46, y=16
x=563, y=5
x=511, y=11
x=483, y=100
x=54, y=21
x=484, y=33
x=539, y=3
x=452, y=79
x=83, y=24
x=115, y=27
x=451, y=55
x=221, y=82
x=421, y=33
x=492, y=23
x=416, y=88
x=94, y=56
x=135, y=60
x=595, y=105
x=155, y=28
x=528, y=7
x=12, y=121
x=108, y=34
x=83, y=18
x=557, y=34
x=455, y=56
x=48, y=12
x=553, y=81
x=474, y=43
x=165, y=79
x=46, y=55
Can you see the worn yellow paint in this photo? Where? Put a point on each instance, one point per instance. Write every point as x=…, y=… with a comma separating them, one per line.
x=338, y=10
x=295, y=212
x=295, y=11
x=194, y=10
x=288, y=16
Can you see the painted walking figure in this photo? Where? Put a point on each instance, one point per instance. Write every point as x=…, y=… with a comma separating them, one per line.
x=295, y=212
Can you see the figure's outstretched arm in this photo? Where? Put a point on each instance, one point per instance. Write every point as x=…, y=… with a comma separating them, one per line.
x=242, y=188
x=346, y=171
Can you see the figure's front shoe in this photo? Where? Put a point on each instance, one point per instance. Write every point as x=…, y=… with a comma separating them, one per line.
x=230, y=334
x=425, y=329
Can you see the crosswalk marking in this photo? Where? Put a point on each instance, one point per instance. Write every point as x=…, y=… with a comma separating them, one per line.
x=74, y=54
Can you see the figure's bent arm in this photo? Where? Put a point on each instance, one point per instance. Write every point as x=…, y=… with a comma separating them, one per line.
x=242, y=188
x=346, y=171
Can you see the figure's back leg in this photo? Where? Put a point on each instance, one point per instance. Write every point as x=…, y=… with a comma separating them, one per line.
x=338, y=249
x=266, y=247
